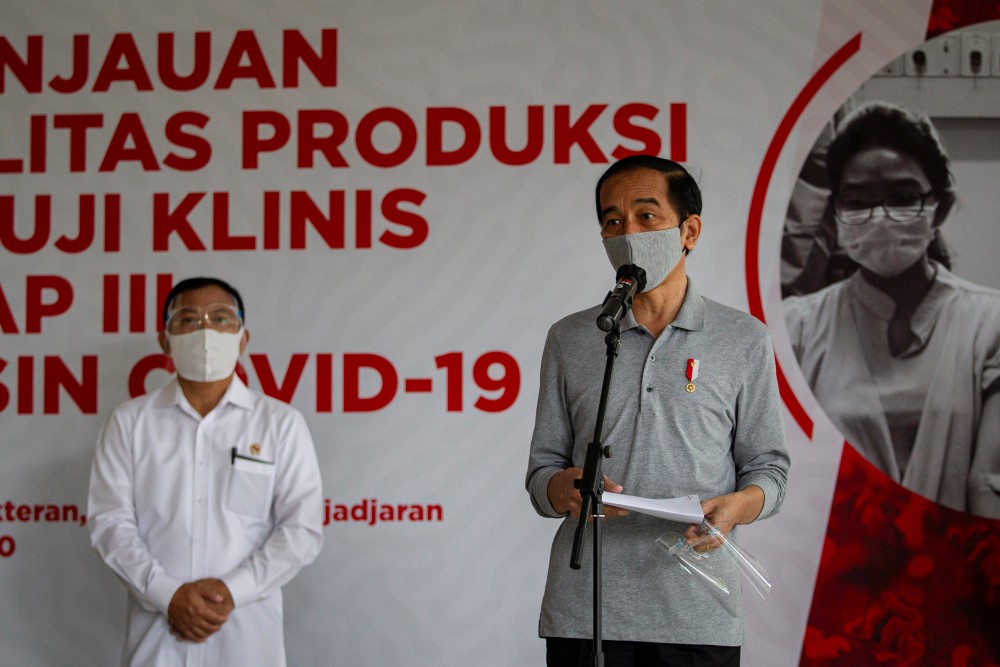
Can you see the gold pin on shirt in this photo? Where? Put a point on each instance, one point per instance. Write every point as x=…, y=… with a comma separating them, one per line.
x=691, y=372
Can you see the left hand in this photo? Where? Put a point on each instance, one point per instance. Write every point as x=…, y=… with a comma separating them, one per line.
x=215, y=596
x=726, y=512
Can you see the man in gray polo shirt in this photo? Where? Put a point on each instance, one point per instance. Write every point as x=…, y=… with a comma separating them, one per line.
x=717, y=435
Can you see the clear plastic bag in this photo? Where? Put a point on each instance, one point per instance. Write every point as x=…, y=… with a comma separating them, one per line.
x=732, y=576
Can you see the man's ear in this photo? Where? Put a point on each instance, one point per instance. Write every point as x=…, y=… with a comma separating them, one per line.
x=245, y=341
x=161, y=337
x=691, y=230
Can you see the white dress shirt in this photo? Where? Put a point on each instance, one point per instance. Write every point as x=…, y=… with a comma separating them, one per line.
x=933, y=393
x=170, y=503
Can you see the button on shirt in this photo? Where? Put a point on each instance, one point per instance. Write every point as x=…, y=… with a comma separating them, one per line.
x=176, y=497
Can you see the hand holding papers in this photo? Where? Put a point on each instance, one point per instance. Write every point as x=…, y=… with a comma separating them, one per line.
x=686, y=509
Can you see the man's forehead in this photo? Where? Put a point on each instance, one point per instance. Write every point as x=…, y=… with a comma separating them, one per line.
x=201, y=296
x=636, y=184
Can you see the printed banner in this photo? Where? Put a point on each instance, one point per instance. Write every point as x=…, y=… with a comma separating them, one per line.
x=403, y=194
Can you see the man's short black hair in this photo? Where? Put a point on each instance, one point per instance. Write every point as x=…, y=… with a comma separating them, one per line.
x=682, y=190
x=189, y=284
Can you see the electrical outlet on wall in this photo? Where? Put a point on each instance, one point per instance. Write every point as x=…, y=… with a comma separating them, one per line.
x=976, y=60
x=938, y=57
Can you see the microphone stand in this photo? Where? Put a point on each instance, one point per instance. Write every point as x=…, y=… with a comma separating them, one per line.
x=591, y=487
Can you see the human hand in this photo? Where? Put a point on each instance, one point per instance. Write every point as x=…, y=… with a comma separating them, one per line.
x=565, y=497
x=198, y=609
x=725, y=512
x=216, y=595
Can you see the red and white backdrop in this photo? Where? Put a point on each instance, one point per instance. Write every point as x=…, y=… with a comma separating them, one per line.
x=403, y=193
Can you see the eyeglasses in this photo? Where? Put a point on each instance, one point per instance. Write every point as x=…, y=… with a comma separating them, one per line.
x=218, y=316
x=902, y=207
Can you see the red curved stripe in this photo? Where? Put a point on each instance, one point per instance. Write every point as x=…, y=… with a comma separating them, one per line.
x=817, y=81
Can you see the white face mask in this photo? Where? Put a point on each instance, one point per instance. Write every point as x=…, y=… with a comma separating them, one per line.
x=657, y=253
x=205, y=355
x=884, y=246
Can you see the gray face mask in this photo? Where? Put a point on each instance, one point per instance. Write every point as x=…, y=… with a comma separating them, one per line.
x=655, y=252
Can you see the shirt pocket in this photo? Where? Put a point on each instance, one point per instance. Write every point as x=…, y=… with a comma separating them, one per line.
x=251, y=484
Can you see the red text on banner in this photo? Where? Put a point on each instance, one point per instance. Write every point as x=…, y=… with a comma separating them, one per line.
x=122, y=63
x=44, y=296
x=370, y=382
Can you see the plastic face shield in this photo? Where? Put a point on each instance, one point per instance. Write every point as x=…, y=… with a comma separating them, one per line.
x=732, y=577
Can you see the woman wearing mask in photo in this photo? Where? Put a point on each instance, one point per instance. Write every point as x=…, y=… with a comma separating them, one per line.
x=904, y=356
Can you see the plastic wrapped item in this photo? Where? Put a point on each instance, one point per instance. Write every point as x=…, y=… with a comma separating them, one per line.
x=732, y=576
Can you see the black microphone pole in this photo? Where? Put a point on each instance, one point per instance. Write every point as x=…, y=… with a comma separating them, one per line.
x=591, y=484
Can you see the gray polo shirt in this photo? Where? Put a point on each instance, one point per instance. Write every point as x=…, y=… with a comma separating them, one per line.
x=667, y=442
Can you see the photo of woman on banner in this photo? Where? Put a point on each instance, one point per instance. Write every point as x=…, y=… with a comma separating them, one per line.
x=903, y=355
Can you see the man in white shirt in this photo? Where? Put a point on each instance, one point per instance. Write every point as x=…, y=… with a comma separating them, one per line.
x=205, y=497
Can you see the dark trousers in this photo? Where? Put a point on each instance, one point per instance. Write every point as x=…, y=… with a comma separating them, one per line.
x=563, y=652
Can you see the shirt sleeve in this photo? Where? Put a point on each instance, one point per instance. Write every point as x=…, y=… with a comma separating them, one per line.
x=111, y=517
x=759, y=449
x=298, y=520
x=552, y=440
x=796, y=314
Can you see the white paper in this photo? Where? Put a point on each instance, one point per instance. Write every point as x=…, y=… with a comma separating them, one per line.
x=686, y=509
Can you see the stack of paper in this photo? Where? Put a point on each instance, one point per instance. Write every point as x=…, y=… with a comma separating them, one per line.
x=686, y=509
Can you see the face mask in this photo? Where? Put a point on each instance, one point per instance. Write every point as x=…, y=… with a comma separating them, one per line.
x=884, y=246
x=205, y=355
x=655, y=252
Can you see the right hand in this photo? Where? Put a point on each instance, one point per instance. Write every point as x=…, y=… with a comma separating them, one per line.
x=565, y=497
x=196, y=612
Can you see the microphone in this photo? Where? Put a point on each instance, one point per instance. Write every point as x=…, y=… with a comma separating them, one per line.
x=631, y=279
